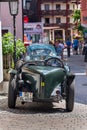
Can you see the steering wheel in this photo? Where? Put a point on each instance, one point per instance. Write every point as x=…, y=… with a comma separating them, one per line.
x=54, y=62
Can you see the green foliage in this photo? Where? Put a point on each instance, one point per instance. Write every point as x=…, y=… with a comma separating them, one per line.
x=77, y=20
x=20, y=49
x=76, y=15
x=8, y=45
x=80, y=28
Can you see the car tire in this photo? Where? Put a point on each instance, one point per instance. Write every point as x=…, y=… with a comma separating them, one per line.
x=12, y=93
x=70, y=97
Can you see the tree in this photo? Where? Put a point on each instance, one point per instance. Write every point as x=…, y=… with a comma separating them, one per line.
x=7, y=43
x=8, y=48
x=77, y=20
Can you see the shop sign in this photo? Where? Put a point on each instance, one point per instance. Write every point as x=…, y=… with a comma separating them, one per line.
x=33, y=28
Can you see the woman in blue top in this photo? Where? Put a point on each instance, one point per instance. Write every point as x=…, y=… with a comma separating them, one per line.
x=75, y=45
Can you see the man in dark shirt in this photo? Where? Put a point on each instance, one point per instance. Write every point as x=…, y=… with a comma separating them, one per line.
x=68, y=43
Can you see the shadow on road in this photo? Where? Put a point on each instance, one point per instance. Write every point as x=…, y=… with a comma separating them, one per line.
x=33, y=108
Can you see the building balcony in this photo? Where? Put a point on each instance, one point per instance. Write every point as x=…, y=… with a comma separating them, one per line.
x=59, y=25
x=55, y=12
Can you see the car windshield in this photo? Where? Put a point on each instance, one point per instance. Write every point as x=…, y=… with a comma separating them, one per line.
x=40, y=52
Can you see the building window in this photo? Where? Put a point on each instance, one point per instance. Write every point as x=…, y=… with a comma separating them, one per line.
x=57, y=6
x=46, y=6
x=58, y=20
x=47, y=20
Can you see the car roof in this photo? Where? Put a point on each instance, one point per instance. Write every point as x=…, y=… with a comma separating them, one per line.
x=41, y=46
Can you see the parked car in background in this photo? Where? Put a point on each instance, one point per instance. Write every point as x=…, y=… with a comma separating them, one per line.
x=40, y=51
x=41, y=77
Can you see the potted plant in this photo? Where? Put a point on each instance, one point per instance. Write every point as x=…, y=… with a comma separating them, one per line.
x=8, y=50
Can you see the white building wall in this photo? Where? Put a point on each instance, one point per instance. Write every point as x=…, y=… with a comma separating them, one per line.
x=71, y=20
x=1, y=61
x=63, y=19
x=71, y=6
x=42, y=6
x=63, y=7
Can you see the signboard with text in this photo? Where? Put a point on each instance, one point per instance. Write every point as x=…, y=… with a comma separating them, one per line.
x=31, y=29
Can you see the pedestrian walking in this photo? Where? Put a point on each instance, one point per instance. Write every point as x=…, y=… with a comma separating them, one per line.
x=75, y=45
x=80, y=47
x=60, y=48
x=55, y=45
x=68, y=45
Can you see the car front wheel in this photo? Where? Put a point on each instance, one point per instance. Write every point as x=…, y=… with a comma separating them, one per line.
x=12, y=94
x=70, y=97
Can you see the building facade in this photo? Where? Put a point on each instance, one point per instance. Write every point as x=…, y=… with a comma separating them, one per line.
x=56, y=16
x=84, y=13
x=84, y=17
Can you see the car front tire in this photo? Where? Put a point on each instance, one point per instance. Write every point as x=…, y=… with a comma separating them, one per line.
x=70, y=97
x=12, y=94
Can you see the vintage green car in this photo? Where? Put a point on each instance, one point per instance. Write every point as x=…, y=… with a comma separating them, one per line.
x=41, y=77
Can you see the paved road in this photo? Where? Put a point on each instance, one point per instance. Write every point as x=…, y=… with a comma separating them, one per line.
x=79, y=67
x=48, y=116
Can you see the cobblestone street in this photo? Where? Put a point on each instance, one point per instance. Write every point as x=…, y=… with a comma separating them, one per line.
x=35, y=116
x=42, y=117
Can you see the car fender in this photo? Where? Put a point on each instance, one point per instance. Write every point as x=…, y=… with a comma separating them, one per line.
x=70, y=78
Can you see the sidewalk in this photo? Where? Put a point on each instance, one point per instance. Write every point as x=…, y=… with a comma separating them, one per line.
x=4, y=88
x=3, y=96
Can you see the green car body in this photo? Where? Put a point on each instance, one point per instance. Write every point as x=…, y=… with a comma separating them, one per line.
x=41, y=79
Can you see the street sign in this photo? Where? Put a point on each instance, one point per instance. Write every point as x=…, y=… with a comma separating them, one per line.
x=7, y=0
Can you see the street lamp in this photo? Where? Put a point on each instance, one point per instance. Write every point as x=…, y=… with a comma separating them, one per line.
x=13, y=7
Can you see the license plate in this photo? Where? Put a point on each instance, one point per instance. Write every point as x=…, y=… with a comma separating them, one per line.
x=26, y=96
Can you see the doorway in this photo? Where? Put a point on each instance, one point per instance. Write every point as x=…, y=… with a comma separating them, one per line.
x=58, y=35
